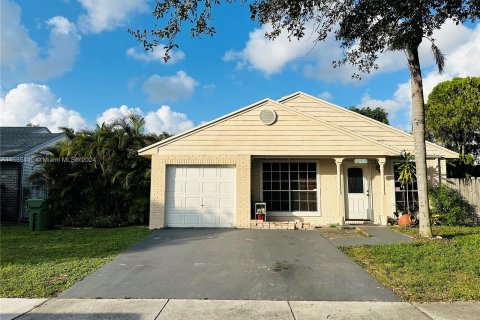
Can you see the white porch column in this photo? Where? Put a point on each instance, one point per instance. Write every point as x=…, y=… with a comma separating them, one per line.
x=383, y=199
x=340, y=200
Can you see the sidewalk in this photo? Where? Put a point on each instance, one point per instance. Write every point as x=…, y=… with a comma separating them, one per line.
x=151, y=309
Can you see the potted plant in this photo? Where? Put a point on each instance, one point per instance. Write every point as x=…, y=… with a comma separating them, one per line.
x=260, y=214
x=407, y=178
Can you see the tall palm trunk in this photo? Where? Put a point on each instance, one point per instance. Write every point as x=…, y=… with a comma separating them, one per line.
x=418, y=123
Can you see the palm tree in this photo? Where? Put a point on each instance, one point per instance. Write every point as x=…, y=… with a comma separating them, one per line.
x=114, y=186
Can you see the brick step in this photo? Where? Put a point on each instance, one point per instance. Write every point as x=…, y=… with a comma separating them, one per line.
x=285, y=225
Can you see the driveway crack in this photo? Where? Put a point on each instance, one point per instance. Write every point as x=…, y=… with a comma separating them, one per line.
x=290, y=307
x=158, y=315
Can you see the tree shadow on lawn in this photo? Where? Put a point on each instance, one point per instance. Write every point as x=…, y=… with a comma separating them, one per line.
x=446, y=232
x=21, y=246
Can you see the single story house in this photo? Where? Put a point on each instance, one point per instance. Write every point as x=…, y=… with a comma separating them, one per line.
x=306, y=158
x=18, y=149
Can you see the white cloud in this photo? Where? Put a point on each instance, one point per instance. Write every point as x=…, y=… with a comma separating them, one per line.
x=59, y=117
x=106, y=15
x=462, y=52
x=176, y=87
x=64, y=47
x=23, y=59
x=156, y=54
x=112, y=114
x=325, y=95
x=163, y=119
x=271, y=57
x=16, y=45
x=401, y=98
x=36, y=104
x=209, y=87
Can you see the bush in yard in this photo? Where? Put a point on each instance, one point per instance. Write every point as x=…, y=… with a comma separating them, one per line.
x=110, y=186
x=450, y=208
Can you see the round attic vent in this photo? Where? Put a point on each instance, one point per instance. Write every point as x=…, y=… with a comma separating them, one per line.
x=268, y=116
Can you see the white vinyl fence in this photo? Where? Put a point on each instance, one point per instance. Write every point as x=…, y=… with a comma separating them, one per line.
x=469, y=188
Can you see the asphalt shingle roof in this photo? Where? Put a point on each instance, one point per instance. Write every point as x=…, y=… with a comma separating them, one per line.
x=16, y=140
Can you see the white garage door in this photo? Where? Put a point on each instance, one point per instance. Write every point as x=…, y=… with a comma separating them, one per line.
x=200, y=196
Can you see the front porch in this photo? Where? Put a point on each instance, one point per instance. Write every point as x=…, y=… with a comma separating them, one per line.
x=319, y=191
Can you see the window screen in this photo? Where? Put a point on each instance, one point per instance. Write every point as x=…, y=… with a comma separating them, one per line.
x=355, y=180
x=290, y=186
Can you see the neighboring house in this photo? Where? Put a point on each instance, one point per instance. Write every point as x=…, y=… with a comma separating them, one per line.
x=306, y=158
x=18, y=147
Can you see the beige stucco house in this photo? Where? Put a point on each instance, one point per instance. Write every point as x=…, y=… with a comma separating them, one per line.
x=306, y=158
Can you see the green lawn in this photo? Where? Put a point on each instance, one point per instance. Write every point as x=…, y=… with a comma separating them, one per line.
x=42, y=264
x=445, y=269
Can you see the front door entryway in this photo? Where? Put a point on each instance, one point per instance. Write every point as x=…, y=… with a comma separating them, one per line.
x=357, y=190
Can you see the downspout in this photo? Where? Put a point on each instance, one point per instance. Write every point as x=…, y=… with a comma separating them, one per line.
x=439, y=165
x=20, y=192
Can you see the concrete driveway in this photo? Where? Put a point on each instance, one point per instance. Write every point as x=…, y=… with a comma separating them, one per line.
x=233, y=264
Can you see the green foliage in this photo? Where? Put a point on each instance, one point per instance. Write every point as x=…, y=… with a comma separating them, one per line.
x=442, y=231
x=427, y=270
x=42, y=264
x=377, y=113
x=97, y=178
x=407, y=177
x=365, y=29
x=452, y=116
x=450, y=208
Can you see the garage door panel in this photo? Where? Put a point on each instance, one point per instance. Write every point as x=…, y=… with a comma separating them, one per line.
x=210, y=172
x=199, y=196
x=226, y=187
x=210, y=187
x=210, y=203
x=194, y=203
x=174, y=219
x=175, y=173
x=227, y=203
x=226, y=217
x=193, y=172
x=192, y=219
x=192, y=186
x=210, y=219
x=173, y=203
x=227, y=173
x=179, y=186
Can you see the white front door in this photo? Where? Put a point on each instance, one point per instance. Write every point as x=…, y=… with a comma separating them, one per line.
x=200, y=196
x=357, y=190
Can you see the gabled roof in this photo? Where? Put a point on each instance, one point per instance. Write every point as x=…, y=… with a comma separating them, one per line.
x=358, y=135
x=17, y=140
x=440, y=151
x=204, y=125
x=386, y=149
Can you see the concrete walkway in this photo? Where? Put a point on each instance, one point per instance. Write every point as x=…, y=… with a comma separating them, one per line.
x=12, y=308
x=153, y=309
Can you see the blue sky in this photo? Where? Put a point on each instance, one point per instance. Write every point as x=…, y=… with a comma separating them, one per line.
x=72, y=63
